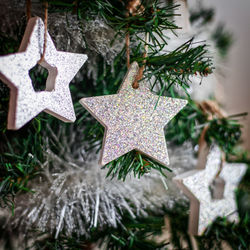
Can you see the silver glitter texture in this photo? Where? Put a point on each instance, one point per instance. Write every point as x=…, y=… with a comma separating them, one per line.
x=133, y=119
x=195, y=184
x=25, y=103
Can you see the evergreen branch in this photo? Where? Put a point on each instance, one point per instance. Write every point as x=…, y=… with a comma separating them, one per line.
x=188, y=124
x=132, y=162
x=223, y=39
x=15, y=178
x=153, y=19
x=179, y=65
x=225, y=133
x=203, y=15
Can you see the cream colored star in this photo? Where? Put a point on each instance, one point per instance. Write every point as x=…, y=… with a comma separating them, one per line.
x=133, y=119
x=195, y=184
x=25, y=103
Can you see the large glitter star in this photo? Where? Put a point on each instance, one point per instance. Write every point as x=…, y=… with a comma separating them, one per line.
x=195, y=184
x=25, y=103
x=133, y=119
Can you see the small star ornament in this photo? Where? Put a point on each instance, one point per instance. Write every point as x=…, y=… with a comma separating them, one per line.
x=133, y=119
x=56, y=100
x=196, y=184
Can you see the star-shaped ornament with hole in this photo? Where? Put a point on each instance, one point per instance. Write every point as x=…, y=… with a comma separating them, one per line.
x=25, y=103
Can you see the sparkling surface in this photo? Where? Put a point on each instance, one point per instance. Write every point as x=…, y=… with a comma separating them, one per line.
x=133, y=119
x=25, y=103
x=198, y=182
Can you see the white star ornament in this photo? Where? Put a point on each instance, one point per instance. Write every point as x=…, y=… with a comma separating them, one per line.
x=25, y=103
x=196, y=185
x=134, y=119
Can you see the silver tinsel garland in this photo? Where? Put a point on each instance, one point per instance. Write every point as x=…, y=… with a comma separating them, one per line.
x=74, y=196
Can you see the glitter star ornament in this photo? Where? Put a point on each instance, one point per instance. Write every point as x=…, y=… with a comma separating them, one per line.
x=196, y=183
x=56, y=100
x=133, y=119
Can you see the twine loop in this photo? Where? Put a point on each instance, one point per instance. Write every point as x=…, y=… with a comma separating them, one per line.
x=134, y=7
x=212, y=110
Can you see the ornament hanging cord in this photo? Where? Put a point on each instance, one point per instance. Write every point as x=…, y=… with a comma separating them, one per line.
x=134, y=7
x=28, y=9
x=211, y=108
x=140, y=73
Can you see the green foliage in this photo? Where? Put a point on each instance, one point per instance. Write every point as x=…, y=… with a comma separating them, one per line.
x=38, y=74
x=173, y=68
x=223, y=39
x=4, y=99
x=137, y=234
x=44, y=242
x=243, y=196
x=20, y=154
x=93, y=132
x=7, y=44
x=152, y=18
x=188, y=124
x=134, y=233
x=203, y=15
x=225, y=133
x=176, y=67
x=83, y=8
x=132, y=162
x=235, y=235
x=15, y=179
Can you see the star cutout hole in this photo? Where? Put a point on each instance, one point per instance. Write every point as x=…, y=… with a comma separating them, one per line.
x=217, y=188
x=43, y=77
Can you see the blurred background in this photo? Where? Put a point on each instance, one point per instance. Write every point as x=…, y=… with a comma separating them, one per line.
x=235, y=94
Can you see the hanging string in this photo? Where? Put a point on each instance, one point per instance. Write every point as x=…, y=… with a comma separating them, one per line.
x=45, y=31
x=127, y=37
x=222, y=162
x=135, y=7
x=211, y=109
x=28, y=9
x=140, y=73
x=76, y=5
